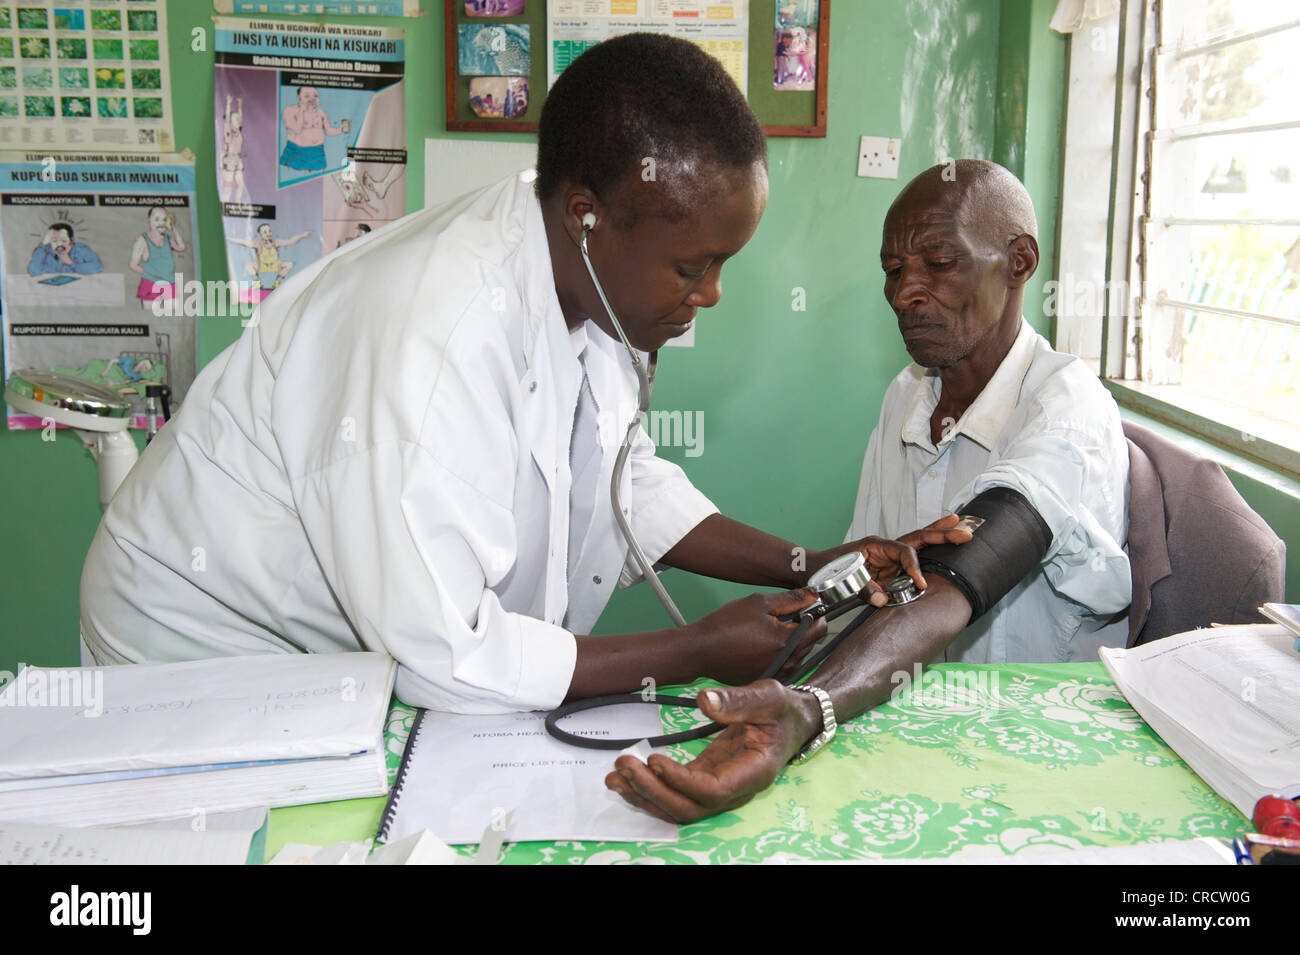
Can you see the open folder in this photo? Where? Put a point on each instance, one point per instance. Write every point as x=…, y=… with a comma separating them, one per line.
x=100, y=746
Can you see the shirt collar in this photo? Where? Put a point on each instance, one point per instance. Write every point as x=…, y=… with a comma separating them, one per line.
x=578, y=340
x=988, y=414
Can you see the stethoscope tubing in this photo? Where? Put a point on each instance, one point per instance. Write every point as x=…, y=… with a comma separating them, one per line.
x=645, y=387
x=806, y=620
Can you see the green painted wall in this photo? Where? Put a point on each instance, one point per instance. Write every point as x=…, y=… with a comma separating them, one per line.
x=978, y=78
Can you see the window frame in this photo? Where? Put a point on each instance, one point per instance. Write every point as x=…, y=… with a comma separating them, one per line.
x=1132, y=39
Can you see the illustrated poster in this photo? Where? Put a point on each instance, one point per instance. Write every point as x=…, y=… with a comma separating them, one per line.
x=718, y=27
x=99, y=261
x=85, y=74
x=370, y=8
x=311, y=142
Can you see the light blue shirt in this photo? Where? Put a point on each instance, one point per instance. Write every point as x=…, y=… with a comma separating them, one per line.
x=1046, y=427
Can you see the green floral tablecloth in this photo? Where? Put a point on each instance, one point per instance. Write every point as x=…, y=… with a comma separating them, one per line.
x=970, y=760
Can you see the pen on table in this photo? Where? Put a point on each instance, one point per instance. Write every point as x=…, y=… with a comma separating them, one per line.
x=1239, y=850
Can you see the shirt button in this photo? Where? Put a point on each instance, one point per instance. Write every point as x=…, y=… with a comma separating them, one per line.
x=532, y=387
x=596, y=579
x=933, y=473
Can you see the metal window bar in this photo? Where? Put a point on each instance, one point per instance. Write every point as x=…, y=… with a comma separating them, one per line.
x=1177, y=220
x=1264, y=345
x=1152, y=74
x=1125, y=163
x=1201, y=131
x=1228, y=41
x=1165, y=302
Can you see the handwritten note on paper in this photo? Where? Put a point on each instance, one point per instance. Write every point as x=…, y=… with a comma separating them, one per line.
x=46, y=845
x=165, y=715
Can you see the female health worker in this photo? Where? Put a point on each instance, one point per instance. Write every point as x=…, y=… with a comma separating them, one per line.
x=404, y=451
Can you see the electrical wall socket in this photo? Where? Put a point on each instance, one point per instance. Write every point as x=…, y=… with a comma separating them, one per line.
x=878, y=157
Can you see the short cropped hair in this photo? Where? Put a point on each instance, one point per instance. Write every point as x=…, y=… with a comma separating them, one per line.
x=643, y=96
x=997, y=203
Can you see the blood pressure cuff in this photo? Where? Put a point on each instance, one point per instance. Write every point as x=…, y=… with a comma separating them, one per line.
x=1011, y=542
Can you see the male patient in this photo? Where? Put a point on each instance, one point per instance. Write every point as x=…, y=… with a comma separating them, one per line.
x=987, y=404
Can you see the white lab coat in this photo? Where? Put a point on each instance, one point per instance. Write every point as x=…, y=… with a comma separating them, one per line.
x=382, y=462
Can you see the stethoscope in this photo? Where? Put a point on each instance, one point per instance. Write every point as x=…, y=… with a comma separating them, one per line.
x=645, y=386
x=840, y=586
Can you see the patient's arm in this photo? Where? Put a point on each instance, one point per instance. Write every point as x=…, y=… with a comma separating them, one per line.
x=769, y=723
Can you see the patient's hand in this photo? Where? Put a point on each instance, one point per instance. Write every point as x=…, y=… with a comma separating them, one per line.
x=768, y=724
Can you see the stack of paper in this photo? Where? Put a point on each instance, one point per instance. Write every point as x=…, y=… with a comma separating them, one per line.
x=1288, y=615
x=1227, y=700
x=97, y=746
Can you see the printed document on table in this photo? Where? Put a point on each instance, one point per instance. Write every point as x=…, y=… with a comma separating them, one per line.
x=1225, y=700
x=465, y=773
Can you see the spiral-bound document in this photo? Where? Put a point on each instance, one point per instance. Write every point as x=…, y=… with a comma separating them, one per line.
x=461, y=775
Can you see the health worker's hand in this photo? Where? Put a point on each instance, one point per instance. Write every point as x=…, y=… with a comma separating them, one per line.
x=767, y=725
x=887, y=559
x=741, y=638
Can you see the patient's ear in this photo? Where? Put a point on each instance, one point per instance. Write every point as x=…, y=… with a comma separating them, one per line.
x=1023, y=255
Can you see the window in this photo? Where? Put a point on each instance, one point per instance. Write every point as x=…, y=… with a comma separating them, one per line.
x=1201, y=307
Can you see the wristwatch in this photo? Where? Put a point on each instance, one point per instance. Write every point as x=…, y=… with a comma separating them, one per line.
x=828, y=723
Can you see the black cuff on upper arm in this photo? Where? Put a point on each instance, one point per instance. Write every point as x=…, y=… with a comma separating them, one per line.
x=1010, y=543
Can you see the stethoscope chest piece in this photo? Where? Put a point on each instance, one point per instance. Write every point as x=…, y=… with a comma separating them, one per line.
x=902, y=590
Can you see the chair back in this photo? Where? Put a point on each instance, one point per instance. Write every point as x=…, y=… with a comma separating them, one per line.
x=1199, y=553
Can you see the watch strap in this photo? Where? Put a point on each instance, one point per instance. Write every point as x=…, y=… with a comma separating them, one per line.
x=829, y=724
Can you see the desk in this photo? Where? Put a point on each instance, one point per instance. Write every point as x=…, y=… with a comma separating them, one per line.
x=99, y=290
x=973, y=760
